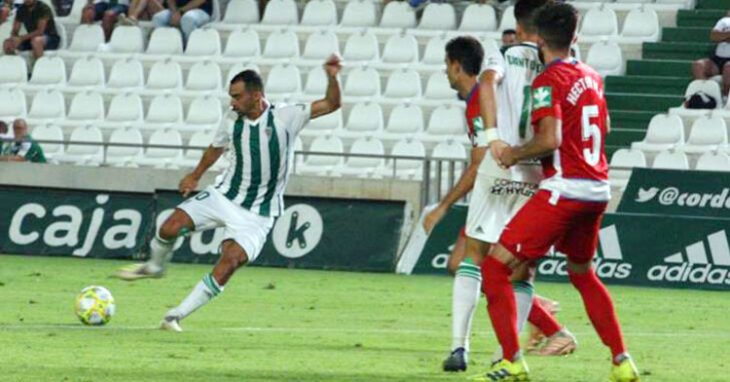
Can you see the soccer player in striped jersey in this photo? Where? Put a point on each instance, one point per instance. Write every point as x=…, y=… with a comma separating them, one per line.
x=245, y=198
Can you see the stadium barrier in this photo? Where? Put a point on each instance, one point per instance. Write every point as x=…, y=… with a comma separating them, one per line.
x=313, y=232
x=669, y=231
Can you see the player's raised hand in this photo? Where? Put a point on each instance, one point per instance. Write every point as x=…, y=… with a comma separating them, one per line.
x=333, y=65
x=188, y=184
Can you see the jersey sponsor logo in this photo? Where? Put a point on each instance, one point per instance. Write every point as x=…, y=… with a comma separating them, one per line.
x=298, y=231
x=670, y=196
x=609, y=264
x=510, y=187
x=693, y=265
x=542, y=97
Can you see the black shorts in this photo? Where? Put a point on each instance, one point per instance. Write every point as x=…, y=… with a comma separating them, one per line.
x=100, y=8
x=720, y=61
x=52, y=43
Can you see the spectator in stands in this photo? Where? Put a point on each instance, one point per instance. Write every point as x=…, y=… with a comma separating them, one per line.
x=719, y=62
x=141, y=8
x=186, y=14
x=23, y=148
x=3, y=134
x=105, y=10
x=509, y=37
x=37, y=18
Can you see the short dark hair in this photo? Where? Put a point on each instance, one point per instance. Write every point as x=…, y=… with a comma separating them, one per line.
x=556, y=24
x=509, y=31
x=526, y=11
x=250, y=79
x=468, y=52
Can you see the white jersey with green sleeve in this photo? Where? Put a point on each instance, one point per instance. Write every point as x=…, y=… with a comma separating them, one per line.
x=518, y=65
x=261, y=154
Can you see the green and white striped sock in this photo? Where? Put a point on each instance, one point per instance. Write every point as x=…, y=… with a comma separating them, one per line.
x=464, y=300
x=203, y=292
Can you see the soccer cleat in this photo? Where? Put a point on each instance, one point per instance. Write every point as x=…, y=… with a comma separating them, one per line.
x=626, y=371
x=171, y=324
x=560, y=343
x=137, y=271
x=505, y=370
x=456, y=360
x=535, y=340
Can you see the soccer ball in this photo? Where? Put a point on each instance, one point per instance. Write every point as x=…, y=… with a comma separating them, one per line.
x=95, y=305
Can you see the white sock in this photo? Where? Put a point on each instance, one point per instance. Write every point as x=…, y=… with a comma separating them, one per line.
x=524, y=291
x=160, y=253
x=464, y=301
x=203, y=292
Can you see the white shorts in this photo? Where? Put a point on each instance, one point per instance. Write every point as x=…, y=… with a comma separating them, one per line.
x=494, y=201
x=210, y=209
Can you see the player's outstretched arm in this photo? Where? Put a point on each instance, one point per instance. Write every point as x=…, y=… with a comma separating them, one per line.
x=332, y=97
x=462, y=187
x=545, y=141
x=189, y=183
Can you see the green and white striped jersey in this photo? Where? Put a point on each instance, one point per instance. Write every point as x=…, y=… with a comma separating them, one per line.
x=261, y=153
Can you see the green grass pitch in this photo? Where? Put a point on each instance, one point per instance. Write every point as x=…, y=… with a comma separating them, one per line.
x=296, y=325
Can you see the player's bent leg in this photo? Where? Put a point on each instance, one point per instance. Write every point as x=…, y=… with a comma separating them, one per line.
x=465, y=297
x=161, y=247
x=232, y=257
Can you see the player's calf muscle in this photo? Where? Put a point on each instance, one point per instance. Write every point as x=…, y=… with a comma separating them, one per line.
x=174, y=225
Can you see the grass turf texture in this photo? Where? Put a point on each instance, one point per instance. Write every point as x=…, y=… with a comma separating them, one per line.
x=296, y=325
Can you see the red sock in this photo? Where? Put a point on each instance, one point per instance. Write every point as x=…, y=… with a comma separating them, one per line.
x=542, y=319
x=501, y=305
x=600, y=310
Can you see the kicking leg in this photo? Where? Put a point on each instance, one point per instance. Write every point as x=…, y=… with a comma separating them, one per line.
x=232, y=257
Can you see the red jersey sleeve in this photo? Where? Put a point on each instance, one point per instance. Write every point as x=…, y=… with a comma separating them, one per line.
x=545, y=99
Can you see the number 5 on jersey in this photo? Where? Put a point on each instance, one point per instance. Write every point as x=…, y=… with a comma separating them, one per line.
x=591, y=131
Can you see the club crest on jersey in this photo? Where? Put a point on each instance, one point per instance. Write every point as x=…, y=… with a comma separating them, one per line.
x=542, y=97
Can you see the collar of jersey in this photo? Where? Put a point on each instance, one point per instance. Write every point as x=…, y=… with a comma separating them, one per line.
x=558, y=61
x=257, y=120
x=471, y=93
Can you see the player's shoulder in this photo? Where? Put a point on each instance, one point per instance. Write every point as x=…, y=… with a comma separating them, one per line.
x=520, y=48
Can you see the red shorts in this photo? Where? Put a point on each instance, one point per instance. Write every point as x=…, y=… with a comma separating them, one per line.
x=571, y=225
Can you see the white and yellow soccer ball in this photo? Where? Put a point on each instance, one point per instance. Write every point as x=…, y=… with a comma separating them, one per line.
x=95, y=305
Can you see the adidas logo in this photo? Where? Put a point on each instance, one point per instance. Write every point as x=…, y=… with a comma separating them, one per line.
x=697, y=267
x=607, y=264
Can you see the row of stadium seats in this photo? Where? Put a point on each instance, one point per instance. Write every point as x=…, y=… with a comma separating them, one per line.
x=130, y=156
x=666, y=132
x=625, y=159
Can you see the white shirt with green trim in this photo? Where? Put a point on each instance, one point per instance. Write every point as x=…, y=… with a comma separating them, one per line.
x=261, y=153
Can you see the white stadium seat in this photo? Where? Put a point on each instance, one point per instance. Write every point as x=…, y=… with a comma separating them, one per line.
x=365, y=119
x=361, y=47
x=398, y=14
x=359, y=14
x=319, y=13
x=405, y=121
x=121, y=155
x=436, y=18
x=433, y=54
x=598, y=23
x=162, y=157
x=478, y=18
x=709, y=87
x=707, y=134
x=238, y=12
x=278, y=13
x=126, y=76
x=321, y=165
x=438, y=89
x=203, y=138
x=446, y=122
x=606, y=58
x=508, y=19
x=49, y=133
x=403, y=86
x=164, y=42
x=86, y=74
x=164, y=110
x=665, y=132
x=48, y=106
x=640, y=25
x=164, y=76
x=124, y=109
x=86, y=39
x=281, y=46
x=364, y=167
x=12, y=104
x=406, y=168
x=400, y=50
x=203, y=113
x=14, y=72
x=324, y=125
x=125, y=40
x=81, y=154
x=624, y=158
x=203, y=78
x=671, y=161
x=203, y=44
x=48, y=72
x=74, y=14
x=86, y=108
x=283, y=81
x=316, y=84
x=241, y=45
x=362, y=83
x=713, y=162
x=298, y=148
x=319, y=46
x=447, y=150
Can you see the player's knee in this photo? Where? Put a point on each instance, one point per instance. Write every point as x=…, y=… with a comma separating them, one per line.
x=579, y=268
x=38, y=42
x=170, y=229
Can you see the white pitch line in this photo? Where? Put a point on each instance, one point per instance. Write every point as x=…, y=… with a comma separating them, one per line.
x=343, y=330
